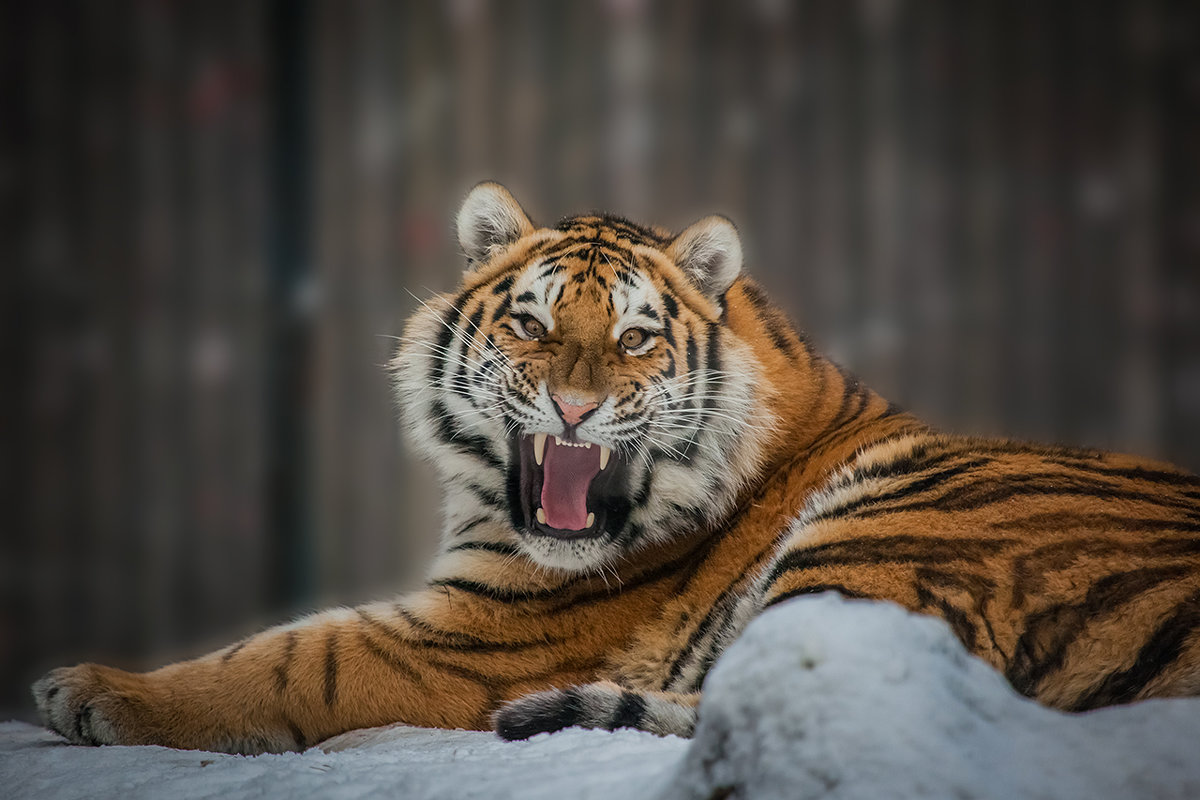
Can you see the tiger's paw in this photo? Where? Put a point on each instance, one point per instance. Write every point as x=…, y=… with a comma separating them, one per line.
x=603, y=705
x=90, y=704
x=543, y=712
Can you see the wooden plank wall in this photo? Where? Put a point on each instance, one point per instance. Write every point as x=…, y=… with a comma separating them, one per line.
x=213, y=215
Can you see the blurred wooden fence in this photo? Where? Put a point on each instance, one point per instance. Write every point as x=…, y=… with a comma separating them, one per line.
x=213, y=214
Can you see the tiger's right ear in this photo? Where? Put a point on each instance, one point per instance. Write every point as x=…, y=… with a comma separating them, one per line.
x=489, y=220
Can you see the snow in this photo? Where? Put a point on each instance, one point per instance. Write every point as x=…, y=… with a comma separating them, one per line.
x=821, y=697
x=850, y=699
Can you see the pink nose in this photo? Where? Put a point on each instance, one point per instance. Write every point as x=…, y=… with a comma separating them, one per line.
x=571, y=414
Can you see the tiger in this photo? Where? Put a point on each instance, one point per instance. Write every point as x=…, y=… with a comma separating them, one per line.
x=640, y=454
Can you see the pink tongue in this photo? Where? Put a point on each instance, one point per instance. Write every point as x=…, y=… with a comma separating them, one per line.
x=566, y=474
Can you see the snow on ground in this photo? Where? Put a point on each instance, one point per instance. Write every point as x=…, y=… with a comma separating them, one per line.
x=821, y=697
x=884, y=703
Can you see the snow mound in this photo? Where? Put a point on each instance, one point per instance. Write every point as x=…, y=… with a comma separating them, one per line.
x=832, y=698
x=821, y=697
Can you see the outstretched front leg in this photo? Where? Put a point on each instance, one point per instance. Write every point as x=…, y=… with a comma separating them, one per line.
x=432, y=659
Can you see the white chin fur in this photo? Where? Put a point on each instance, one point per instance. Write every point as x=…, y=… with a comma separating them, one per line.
x=569, y=555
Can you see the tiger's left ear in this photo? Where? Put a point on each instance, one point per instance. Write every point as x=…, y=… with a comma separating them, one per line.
x=710, y=254
x=489, y=220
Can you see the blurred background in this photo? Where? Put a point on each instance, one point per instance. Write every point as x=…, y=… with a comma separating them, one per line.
x=212, y=214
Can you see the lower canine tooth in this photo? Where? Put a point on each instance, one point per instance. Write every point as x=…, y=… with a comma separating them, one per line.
x=539, y=447
x=541, y=515
x=604, y=454
x=590, y=520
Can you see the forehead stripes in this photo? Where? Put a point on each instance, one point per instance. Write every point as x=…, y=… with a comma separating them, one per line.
x=611, y=229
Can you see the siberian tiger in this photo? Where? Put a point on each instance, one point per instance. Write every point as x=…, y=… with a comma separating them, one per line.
x=639, y=455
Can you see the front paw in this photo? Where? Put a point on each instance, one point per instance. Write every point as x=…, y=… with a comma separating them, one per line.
x=90, y=704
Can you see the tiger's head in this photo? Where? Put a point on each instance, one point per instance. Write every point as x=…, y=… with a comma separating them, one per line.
x=581, y=385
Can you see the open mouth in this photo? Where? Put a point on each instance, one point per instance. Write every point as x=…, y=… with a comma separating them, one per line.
x=567, y=489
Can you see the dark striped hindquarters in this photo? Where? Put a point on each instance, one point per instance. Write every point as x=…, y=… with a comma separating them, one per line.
x=602, y=705
x=1075, y=573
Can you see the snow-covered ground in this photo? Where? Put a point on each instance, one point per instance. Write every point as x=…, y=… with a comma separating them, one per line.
x=821, y=697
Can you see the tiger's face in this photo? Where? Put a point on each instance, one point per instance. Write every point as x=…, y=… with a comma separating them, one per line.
x=581, y=385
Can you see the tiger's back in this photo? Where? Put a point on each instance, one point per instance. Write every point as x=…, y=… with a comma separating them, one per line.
x=1075, y=573
x=639, y=455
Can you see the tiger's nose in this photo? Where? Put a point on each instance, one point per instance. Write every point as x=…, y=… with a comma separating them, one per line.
x=573, y=414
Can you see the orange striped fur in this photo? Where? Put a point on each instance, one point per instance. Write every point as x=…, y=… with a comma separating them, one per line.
x=740, y=469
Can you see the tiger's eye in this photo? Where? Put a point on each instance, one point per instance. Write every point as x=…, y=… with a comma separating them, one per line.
x=533, y=328
x=633, y=338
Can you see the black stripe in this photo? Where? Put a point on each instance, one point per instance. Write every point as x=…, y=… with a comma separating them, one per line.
x=668, y=332
x=331, y=668
x=504, y=285
x=1160, y=652
x=900, y=549
x=565, y=601
x=471, y=525
x=1042, y=646
x=449, y=320
x=497, y=593
x=779, y=336
x=1083, y=461
x=391, y=660
x=1062, y=520
x=717, y=620
x=455, y=641
x=629, y=712
x=849, y=384
x=669, y=371
x=778, y=327
x=958, y=620
x=297, y=734
x=873, y=504
x=526, y=297
x=283, y=668
x=1030, y=570
x=474, y=320
x=717, y=614
x=500, y=311
x=487, y=496
x=755, y=294
x=469, y=444
x=491, y=547
x=982, y=493
x=713, y=364
x=815, y=588
x=669, y=304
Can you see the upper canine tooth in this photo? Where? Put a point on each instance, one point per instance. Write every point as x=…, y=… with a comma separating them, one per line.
x=539, y=447
x=604, y=454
